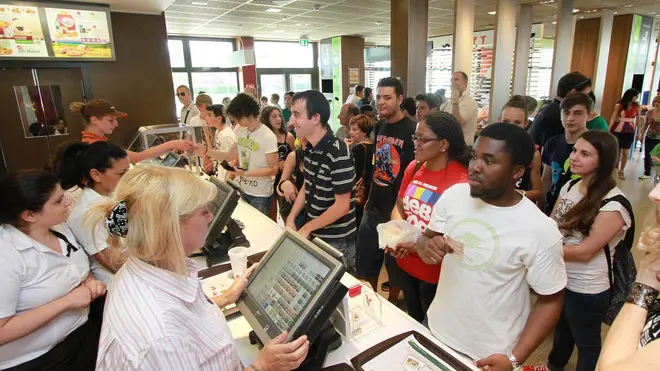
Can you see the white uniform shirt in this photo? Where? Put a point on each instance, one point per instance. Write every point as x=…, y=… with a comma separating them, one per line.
x=157, y=320
x=93, y=239
x=469, y=111
x=588, y=277
x=482, y=301
x=33, y=275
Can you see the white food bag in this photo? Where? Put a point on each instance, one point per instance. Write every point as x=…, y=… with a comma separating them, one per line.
x=395, y=232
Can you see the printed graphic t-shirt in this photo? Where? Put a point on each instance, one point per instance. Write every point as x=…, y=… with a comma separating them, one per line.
x=419, y=192
x=394, y=151
x=556, y=155
x=482, y=302
x=252, y=150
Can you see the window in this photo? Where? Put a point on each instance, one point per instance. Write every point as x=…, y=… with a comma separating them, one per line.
x=202, y=65
x=270, y=54
x=539, y=78
x=300, y=82
x=210, y=53
x=216, y=84
x=176, y=53
x=374, y=71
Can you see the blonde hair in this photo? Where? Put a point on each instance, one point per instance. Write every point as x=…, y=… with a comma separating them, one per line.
x=203, y=99
x=157, y=198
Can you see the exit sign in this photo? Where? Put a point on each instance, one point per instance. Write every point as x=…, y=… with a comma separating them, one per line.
x=304, y=42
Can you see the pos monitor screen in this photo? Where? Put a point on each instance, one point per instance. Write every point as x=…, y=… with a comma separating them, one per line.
x=293, y=288
x=222, y=207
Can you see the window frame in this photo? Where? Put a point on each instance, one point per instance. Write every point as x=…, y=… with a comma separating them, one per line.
x=314, y=70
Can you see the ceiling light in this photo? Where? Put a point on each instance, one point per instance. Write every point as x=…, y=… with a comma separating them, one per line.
x=200, y=3
x=628, y=6
x=492, y=13
x=581, y=17
x=576, y=10
x=554, y=22
x=273, y=10
x=302, y=24
x=278, y=31
x=547, y=2
x=616, y=13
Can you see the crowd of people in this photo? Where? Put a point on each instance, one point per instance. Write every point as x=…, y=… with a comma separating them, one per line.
x=505, y=210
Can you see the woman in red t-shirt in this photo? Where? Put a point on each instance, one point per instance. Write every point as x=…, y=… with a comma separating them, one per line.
x=101, y=120
x=442, y=160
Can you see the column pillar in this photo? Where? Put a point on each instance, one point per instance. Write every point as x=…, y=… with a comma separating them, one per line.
x=655, y=85
x=247, y=75
x=505, y=39
x=650, y=66
x=602, y=56
x=408, y=40
x=523, y=44
x=563, y=43
x=463, y=36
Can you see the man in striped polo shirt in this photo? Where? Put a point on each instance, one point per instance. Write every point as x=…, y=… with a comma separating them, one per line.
x=327, y=197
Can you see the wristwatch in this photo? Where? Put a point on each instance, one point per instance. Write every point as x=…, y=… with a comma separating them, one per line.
x=514, y=362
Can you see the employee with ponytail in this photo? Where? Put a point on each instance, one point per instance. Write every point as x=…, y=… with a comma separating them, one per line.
x=95, y=168
x=101, y=120
x=46, y=286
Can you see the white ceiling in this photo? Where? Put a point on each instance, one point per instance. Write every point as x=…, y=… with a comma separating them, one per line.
x=367, y=18
x=132, y=6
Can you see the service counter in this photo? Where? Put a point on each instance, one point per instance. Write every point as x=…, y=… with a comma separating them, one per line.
x=262, y=233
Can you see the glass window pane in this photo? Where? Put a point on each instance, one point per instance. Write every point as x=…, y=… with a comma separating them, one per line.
x=269, y=54
x=179, y=78
x=300, y=82
x=210, y=53
x=272, y=84
x=176, y=53
x=216, y=84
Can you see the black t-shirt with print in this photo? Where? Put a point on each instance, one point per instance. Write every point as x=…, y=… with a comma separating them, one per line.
x=393, y=152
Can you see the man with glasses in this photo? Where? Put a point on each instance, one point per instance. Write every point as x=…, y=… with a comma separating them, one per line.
x=189, y=110
x=547, y=122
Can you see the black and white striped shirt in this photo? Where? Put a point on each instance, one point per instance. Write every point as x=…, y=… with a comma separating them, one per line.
x=329, y=171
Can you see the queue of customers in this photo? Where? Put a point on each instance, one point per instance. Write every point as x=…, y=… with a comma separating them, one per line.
x=485, y=240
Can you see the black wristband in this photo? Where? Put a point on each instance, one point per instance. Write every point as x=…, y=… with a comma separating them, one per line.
x=642, y=295
x=279, y=186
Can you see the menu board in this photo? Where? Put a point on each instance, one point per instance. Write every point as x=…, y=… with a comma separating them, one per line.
x=79, y=33
x=21, y=34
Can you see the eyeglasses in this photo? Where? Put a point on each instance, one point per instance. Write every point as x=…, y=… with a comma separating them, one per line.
x=417, y=139
x=182, y=94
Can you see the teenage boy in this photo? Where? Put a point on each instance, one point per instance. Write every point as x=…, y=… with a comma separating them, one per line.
x=286, y=112
x=224, y=139
x=494, y=244
x=575, y=112
x=426, y=105
x=329, y=189
x=515, y=112
x=393, y=152
x=547, y=122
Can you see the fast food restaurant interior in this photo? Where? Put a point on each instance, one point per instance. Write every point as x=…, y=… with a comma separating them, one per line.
x=330, y=185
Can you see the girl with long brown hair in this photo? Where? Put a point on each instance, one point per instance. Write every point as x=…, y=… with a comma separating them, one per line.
x=589, y=222
x=271, y=116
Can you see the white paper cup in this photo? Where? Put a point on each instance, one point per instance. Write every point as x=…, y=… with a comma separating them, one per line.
x=238, y=260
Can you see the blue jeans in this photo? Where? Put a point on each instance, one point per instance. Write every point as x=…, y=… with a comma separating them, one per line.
x=260, y=203
x=346, y=247
x=579, y=324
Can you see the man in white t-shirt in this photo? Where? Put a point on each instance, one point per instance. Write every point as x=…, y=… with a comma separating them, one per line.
x=255, y=149
x=462, y=106
x=189, y=110
x=494, y=244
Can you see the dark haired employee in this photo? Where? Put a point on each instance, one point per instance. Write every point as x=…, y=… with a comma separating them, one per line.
x=96, y=169
x=46, y=284
x=101, y=120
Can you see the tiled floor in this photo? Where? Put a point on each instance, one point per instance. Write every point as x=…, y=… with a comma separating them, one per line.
x=637, y=192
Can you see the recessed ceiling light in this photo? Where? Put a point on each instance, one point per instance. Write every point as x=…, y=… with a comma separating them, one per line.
x=492, y=13
x=581, y=17
x=278, y=31
x=302, y=24
x=628, y=6
x=547, y=2
x=576, y=10
x=616, y=13
x=273, y=10
x=554, y=22
x=200, y=3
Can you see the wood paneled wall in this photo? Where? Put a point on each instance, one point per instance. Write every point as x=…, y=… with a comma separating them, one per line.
x=352, y=56
x=585, y=46
x=616, y=65
x=139, y=82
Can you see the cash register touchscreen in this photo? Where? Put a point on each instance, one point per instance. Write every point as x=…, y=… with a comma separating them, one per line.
x=291, y=287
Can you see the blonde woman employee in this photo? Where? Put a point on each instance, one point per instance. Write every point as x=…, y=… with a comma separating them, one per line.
x=101, y=119
x=45, y=284
x=157, y=317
